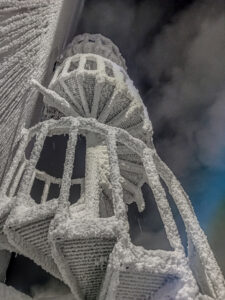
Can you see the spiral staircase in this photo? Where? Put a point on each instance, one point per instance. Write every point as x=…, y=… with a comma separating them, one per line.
x=87, y=243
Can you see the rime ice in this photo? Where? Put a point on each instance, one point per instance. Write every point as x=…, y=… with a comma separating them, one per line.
x=87, y=244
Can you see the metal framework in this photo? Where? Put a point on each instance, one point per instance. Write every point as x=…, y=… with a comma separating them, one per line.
x=87, y=244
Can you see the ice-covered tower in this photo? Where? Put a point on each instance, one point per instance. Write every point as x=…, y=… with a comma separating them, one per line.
x=86, y=243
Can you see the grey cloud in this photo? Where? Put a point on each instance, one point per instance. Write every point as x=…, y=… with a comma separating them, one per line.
x=186, y=65
x=178, y=64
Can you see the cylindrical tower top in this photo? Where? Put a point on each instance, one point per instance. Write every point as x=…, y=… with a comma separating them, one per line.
x=96, y=44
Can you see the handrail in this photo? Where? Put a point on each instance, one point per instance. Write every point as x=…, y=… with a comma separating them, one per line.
x=43, y=176
x=137, y=146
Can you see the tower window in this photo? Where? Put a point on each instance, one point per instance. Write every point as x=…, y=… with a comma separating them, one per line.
x=73, y=66
x=90, y=64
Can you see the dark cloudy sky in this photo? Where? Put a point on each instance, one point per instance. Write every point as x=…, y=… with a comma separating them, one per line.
x=174, y=50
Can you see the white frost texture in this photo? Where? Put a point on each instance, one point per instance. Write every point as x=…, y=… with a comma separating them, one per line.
x=87, y=244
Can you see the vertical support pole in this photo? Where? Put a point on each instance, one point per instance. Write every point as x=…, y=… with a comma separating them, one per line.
x=97, y=92
x=17, y=158
x=45, y=191
x=26, y=183
x=92, y=189
x=63, y=208
x=117, y=190
x=161, y=200
x=17, y=179
x=215, y=280
x=80, y=80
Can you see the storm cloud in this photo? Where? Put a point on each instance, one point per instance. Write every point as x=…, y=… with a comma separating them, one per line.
x=175, y=55
x=186, y=66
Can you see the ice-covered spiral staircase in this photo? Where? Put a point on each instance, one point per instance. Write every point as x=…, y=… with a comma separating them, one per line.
x=87, y=244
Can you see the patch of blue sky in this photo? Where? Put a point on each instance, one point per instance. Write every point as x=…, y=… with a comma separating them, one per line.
x=207, y=191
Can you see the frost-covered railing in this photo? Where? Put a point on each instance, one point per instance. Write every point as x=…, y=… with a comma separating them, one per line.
x=9, y=186
x=89, y=85
x=76, y=242
x=113, y=135
x=154, y=169
x=37, y=174
x=48, y=180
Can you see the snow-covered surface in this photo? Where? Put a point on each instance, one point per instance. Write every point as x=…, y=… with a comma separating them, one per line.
x=72, y=224
x=24, y=53
x=33, y=34
x=74, y=242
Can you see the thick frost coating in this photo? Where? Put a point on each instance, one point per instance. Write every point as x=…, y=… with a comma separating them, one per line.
x=87, y=244
x=25, y=26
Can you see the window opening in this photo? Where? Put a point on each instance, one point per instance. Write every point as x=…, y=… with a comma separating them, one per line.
x=53, y=192
x=51, y=162
x=147, y=228
x=75, y=193
x=90, y=64
x=73, y=66
x=37, y=190
x=52, y=156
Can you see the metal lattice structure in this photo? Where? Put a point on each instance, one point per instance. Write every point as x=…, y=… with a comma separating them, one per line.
x=87, y=244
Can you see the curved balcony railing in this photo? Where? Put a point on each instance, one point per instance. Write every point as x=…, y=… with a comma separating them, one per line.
x=89, y=85
x=114, y=138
